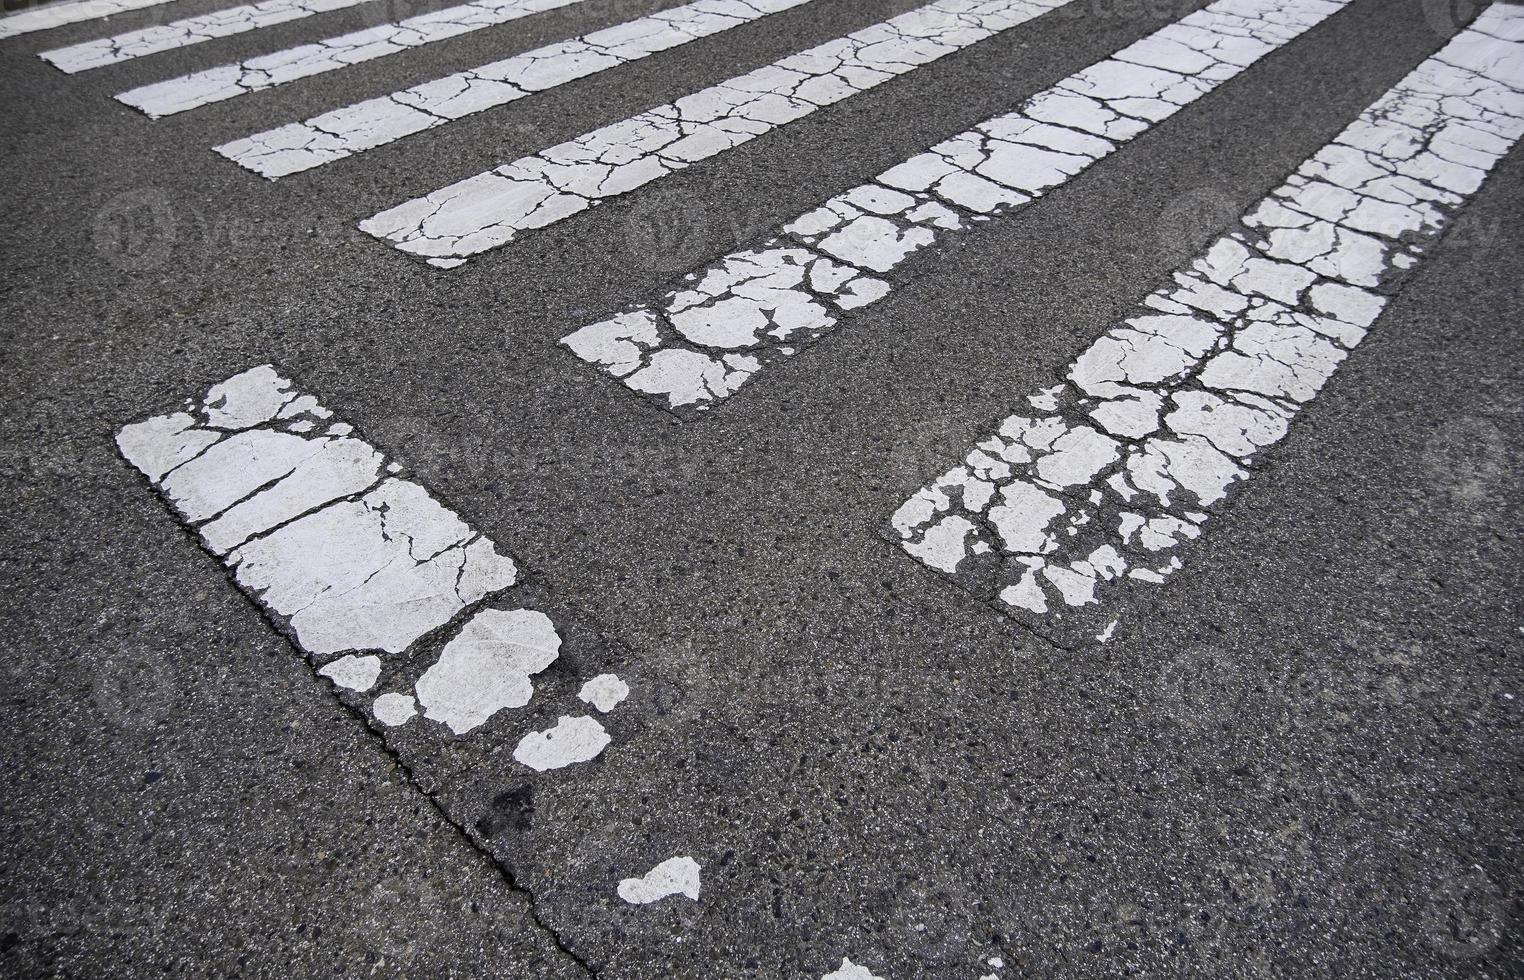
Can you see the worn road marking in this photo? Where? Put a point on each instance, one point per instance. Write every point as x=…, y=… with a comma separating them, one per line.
x=267, y=71
x=674, y=876
x=360, y=565
x=493, y=208
x=851, y=971
x=59, y=14
x=701, y=339
x=183, y=33
x=1117, y=467
x=375, y=122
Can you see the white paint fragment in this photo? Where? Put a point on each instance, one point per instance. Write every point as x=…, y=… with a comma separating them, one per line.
x=183, y=33
x=572, y=740
x=53, y=15
x=493, y=208
x=353, y=672
x=1209, y=373
x=604, y=692
x=772, y=299
x=330, y=54
x=851, y=971
x=394, y=709
x=674, y=876
x=487, y=667
x=376, y=122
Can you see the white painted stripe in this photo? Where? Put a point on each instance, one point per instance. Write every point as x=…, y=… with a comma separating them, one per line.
x=1112, y=471
x=183, y=33
x=58, y=14
x=358, y=563
x=698, y=342
x=376, y=122
x=493, y=208
x=267, y=71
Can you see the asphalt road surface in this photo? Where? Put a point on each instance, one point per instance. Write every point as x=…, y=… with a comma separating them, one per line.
x=794, y=489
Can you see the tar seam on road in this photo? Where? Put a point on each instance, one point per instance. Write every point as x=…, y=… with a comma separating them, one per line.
x=255, y=461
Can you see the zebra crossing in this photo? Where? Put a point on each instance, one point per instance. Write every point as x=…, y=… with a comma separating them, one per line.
x=375, y=122
x=474, y=671
x=490, y=210
x=183, y=33
x=698, y=343
x=225, y=82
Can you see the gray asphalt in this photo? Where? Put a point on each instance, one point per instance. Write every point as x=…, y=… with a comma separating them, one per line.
x=1301, y=758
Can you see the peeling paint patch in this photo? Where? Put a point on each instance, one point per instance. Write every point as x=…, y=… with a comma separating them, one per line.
x=487, y=667
x=183, y=33
x=698, y=341
x=493, y=208
x=674, y=876
x=1118, y=468
x=59, y=14
x=572, y=740
x=604, y=692
x=353, y=672
x=851, y=971
x=376, y=122
x=394, y=709
x=330, y=54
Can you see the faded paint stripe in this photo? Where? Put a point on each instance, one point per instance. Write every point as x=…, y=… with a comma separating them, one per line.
x=493, y=208
x=58, y=14
x=267, y=71
x=184, y=33
x=1108, y=475
x=376, y=122
x=697, y=342
x=360, y=566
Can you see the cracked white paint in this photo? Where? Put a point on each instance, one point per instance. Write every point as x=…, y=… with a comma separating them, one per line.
x=851, y=971
x=487, y=667
x=353, y=672
x=394, y=709
x=376, y=122
x=493, y=208
x=698, y=342
x=183, y=33
x=572, y=740
x=1114, y=470
x=604, y=692
x=58, y=14
x=267, y=71
x=674, y=876
x=318, y=528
